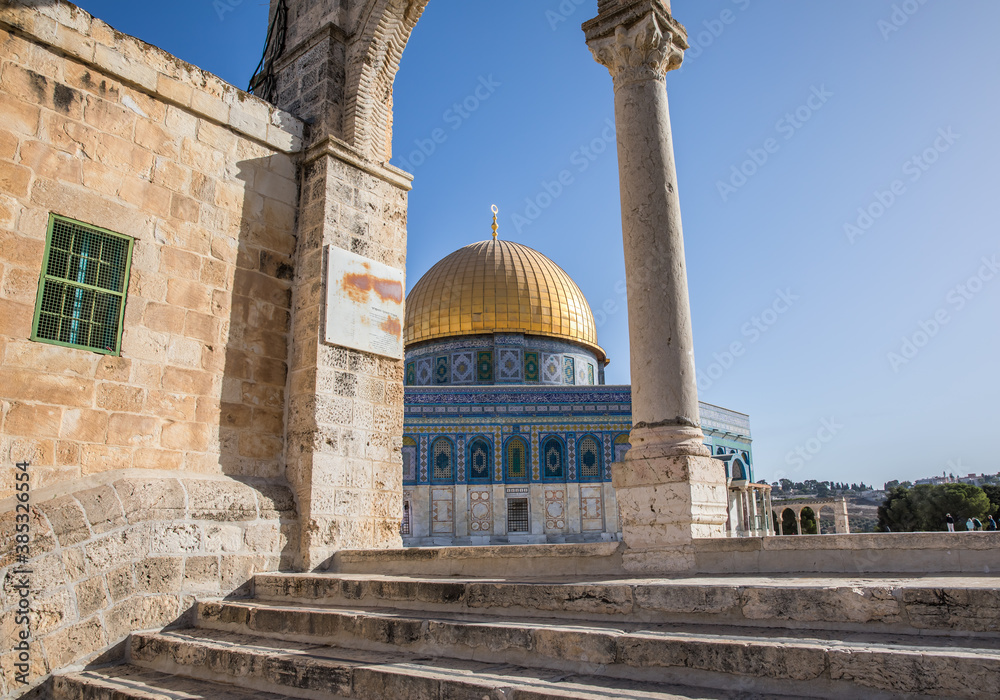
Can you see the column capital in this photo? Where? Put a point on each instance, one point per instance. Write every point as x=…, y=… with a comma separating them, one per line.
x=636, y=41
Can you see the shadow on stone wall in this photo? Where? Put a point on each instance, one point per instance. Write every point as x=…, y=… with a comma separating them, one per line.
x=255, y=357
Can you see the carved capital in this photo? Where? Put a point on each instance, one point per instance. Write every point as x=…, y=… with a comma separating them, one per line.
x=647, y=50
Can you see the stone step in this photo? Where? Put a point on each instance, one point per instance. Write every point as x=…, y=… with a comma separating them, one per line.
x=132, y=683
x=321, y=672
x=962, y=606
x=829, y=664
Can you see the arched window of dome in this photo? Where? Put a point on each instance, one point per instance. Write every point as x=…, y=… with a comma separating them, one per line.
x=480, y=461
x=621, y=446
x=720, y=450
x=553, y=460
x=442, y=460
x=516, y=460
x=738, y=470
x=409, y=460
x=588, y=455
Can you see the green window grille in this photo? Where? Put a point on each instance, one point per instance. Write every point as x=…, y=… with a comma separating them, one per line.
x=81, y=290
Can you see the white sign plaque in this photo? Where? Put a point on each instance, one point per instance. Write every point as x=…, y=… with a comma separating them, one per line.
x=364, y=304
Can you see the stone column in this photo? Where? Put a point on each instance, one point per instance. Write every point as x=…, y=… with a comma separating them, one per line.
x=669, y=489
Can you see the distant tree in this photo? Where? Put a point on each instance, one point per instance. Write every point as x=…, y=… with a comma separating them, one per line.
x=822, y=490
x=896, y=514
x=923, y=508
x=786, y=484
x=993, y=493
x=890, y=485
x=809, y=524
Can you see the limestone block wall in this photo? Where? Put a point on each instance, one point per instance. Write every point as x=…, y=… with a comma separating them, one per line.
x=159, y=474
x=129, y=554
x=108, y=130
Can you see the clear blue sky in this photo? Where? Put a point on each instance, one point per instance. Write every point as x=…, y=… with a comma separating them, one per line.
x=878, y=89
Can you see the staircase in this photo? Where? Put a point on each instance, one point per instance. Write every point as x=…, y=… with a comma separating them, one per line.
x=370, y=637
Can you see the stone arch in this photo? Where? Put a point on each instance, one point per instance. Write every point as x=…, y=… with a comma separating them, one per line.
x=790, y=521
x=372, y=63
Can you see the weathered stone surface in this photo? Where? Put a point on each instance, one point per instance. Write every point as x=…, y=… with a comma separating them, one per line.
x=220, y=500
x=103, y=509
x=68, y=520
x=870, y=604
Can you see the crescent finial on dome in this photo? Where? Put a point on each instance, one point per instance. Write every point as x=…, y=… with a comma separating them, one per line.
x=495, y=227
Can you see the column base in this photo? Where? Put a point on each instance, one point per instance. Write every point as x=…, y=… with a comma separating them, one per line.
x=668, y=498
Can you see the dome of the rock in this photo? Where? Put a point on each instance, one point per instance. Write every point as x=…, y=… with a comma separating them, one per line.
x=498, y=286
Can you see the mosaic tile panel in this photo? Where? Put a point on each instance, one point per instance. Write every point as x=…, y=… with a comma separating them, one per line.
x=411, y=373
x=441, y=370
x=608, y=456
x=480, y=462
x=552, y=369
x=569, y=371
x=410, y=459
x=424, y=371
x=498, y=456
x=463, y=368
x=442, y=511
x=536, y=473
x=571, y=456
x=591, y=509
x=555, y=510
x=509, y=365
x=590, y=374
x=531, y=373
x=581, y=371
x=480, y=512
x=423, y=459
x=484, y=366
x=461, y=458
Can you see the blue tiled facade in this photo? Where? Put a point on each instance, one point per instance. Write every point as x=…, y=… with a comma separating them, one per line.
x=493, y=415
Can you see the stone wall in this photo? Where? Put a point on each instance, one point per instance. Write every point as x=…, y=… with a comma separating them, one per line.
x=108, y=130
x=159, y=474
x=131, y=554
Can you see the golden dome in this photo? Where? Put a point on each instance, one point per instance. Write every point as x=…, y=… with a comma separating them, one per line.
x=499, y=287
